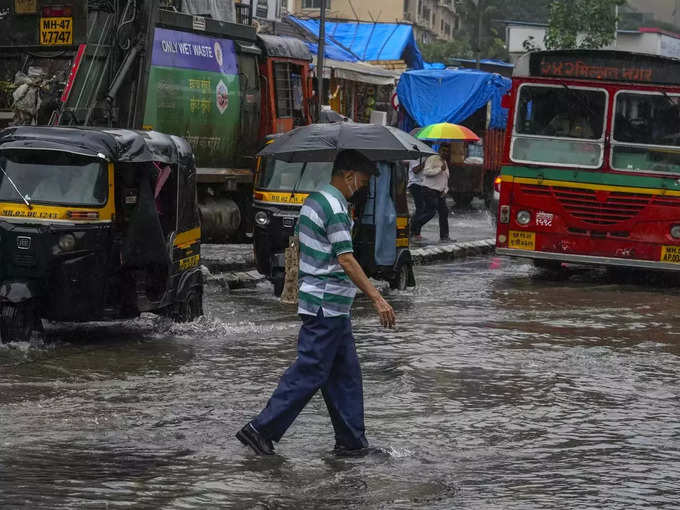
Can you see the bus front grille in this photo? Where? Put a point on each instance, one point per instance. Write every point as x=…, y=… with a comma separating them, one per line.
x=600, y=207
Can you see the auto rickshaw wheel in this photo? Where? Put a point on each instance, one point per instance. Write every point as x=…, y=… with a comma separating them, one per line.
x=191, y=307
x=18, y=322
x=400, y=279
x=278, y=281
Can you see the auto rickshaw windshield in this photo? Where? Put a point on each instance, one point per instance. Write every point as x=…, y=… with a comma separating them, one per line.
x=52, y=177
x=277, y=175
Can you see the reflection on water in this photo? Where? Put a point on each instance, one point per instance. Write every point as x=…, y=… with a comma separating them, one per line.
x=501, y=387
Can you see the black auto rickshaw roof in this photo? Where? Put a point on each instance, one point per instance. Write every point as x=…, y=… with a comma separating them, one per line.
x=115, y=145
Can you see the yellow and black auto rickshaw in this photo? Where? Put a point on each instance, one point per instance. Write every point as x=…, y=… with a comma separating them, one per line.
x=381, y=241
x=96, y=224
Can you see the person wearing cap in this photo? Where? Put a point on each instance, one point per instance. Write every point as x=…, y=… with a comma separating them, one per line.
x=327, y=357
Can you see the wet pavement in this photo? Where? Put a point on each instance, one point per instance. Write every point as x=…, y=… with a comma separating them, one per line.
x=501, y=387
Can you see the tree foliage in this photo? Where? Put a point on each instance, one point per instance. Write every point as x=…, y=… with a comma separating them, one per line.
x=442, y=51
x=581, y=23
x=477, y=35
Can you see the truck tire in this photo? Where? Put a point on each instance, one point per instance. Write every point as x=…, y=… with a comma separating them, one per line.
x=463, y=199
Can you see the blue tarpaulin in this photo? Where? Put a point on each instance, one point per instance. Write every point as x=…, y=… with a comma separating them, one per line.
x=356, y=41
x=451, y=95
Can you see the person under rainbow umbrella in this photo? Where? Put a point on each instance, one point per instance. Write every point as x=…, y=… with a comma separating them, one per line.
x=443, y=132
x=429, y=186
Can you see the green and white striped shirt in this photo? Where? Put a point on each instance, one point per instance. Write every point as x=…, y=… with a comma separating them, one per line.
x=325, y=231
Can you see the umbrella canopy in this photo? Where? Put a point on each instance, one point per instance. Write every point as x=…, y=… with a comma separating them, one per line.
x=446, y=132
x=323, y=142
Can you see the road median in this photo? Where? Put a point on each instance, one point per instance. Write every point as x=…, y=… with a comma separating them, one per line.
x=233, y=266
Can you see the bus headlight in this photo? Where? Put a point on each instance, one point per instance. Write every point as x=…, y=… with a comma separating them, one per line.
x=523, y=217
x=67, y=242
x=675, y=231
x=261, y=218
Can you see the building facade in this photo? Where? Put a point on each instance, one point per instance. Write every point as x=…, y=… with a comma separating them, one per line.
x=660, y=10
x=521, y=36
x=431, y=19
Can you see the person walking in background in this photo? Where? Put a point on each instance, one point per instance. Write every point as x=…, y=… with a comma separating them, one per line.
x=327, y=357
x=434, y=187
x=414, y=186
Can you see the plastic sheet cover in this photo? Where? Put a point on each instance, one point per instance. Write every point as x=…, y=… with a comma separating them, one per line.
x=216, y=9
x=356, y=41
x=117, y=145
x=285, y=47
x=380, y=211
x=432, y=96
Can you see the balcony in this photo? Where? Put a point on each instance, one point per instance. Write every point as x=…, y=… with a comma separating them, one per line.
x=243, y=14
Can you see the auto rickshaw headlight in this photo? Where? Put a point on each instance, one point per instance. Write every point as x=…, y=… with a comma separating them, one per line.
x=675, y=231
x=261, y=218
x=67, y=242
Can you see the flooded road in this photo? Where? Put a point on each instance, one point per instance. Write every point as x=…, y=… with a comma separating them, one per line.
x=500, y=388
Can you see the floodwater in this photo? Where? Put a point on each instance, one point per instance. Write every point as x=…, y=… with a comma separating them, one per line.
x=501, y=387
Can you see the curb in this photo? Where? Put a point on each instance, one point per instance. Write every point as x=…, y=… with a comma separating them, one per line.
x=232, y=280
x=214, y=272
x=452, y=251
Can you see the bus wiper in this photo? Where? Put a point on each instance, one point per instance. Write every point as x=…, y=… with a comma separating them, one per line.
x=28, y=204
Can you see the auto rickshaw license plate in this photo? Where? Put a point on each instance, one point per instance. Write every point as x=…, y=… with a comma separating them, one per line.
x=521, y=240
x=670, y=254
x=56, y=31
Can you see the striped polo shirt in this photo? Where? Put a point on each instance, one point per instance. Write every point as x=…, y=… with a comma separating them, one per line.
x=325, y=231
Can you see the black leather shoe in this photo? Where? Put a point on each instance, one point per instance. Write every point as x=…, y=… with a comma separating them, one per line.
x=342, y=451
x=251, y=437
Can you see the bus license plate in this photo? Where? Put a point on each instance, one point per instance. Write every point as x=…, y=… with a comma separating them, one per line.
x=56, y=31
x=522, y=240
x=670, y=254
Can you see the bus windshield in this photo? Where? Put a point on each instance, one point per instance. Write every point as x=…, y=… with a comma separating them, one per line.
x=52, y=177
x=277, y=175
x=559, y=124
x=646, y=132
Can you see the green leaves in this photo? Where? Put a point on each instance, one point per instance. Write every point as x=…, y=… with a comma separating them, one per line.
x=581, y=23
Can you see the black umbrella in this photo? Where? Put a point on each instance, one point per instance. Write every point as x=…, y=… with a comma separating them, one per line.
x=322, y=142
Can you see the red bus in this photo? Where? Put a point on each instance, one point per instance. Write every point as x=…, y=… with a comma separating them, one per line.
x=591, y=170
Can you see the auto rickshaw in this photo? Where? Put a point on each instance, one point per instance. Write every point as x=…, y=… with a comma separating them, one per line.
x=96, y=224
x=381, y=240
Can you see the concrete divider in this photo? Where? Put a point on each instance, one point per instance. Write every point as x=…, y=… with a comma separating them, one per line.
x=226, y=271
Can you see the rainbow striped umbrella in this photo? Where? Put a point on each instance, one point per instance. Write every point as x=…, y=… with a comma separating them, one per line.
x=446, y=132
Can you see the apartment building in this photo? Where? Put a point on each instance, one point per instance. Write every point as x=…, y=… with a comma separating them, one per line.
x=431, y=19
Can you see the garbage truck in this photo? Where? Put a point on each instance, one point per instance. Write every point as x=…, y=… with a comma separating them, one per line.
x=150, y=64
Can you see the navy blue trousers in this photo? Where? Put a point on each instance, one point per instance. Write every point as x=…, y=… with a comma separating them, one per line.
x=327, y=360
x=433, y=202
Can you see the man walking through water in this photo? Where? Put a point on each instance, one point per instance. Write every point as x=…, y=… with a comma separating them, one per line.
x=327, y=357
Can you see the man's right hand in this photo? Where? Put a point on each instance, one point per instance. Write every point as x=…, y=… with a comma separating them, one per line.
x=385, y=312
